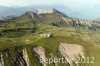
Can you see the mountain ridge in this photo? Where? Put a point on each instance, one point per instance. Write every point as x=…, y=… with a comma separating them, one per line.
x=54, y=17
x=67, y=19
x=71, y=11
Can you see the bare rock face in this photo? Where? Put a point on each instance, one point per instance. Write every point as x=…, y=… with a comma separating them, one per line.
x=40, y=53
x=75, y=21
x=71, y=52
x=2, y=60
x=26, y=57
x=43, y=11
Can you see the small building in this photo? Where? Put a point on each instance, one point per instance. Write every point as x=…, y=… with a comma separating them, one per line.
x=46, y=35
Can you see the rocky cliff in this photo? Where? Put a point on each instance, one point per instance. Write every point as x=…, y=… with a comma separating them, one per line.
x=21, y=56
x=44, y=11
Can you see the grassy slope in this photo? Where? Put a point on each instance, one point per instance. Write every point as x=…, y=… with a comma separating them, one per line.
x=61, y=35
x=69, y=35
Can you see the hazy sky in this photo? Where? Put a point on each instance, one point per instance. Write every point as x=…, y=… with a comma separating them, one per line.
x=74, y=3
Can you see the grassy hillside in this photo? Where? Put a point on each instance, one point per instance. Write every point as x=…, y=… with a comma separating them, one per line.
x=25, y=32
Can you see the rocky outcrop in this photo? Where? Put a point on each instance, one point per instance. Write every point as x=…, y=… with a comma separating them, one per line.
x=71, y=52
x=26, y=57
x=96, y=23
x=44, y=11
x=21, y=58
x=2, y=60
x=40, y=53
x=80, y=22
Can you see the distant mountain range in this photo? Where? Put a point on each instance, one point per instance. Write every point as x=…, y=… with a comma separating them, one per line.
x=9, y=11
x=16, y=11
x=70, y=11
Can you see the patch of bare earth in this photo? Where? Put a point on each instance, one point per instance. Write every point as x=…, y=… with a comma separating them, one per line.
x=71, y=52
x=40, y=53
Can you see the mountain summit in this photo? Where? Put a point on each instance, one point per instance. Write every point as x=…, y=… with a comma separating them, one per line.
x=44, y=11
